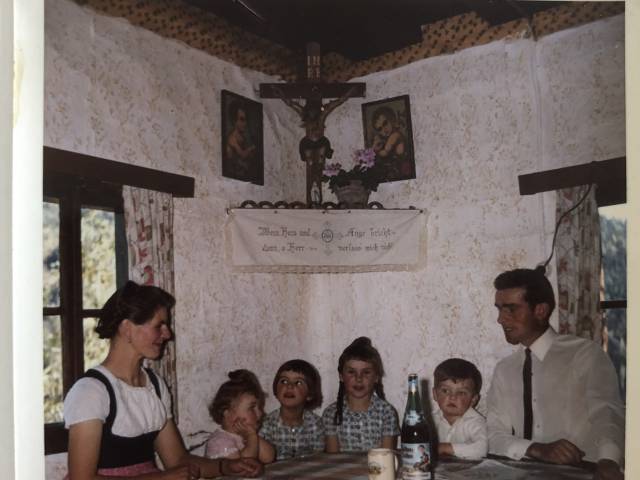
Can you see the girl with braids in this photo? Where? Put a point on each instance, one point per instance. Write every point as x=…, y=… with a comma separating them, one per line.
x=361, y=418
x=238, y=409
x=119, y=413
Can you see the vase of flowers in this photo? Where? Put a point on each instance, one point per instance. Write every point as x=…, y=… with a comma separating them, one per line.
x=353, y=187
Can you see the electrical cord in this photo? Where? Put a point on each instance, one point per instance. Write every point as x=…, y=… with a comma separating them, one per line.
x=543, y=266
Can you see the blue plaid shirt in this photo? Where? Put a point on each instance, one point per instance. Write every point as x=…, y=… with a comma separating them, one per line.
x=295, y=441
x=361, y=431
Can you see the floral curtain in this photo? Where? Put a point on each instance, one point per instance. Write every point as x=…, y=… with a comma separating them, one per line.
x=149, y=226
x=578, y=264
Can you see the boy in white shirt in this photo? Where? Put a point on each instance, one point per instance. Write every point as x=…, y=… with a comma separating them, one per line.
x=462, y=431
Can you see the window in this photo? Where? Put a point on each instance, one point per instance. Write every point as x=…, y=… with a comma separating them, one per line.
x=613, y=295
x=84, y=261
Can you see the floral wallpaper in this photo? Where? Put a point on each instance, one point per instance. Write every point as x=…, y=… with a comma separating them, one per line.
x=480, y=118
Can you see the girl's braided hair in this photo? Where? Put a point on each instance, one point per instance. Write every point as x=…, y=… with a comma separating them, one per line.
x=360, y=349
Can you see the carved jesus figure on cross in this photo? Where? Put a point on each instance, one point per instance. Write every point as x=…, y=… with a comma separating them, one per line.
x=314, y=147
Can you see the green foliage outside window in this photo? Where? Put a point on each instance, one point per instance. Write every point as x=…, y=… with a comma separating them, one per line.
x=99, y=282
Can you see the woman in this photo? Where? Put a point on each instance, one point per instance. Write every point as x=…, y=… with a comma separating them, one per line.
x=119, y=413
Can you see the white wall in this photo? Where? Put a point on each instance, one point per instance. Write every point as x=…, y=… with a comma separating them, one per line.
x=21, y=107
x=481, y=117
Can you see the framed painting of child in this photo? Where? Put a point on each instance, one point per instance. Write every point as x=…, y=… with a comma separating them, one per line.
x=387, y=130
x=242, y=144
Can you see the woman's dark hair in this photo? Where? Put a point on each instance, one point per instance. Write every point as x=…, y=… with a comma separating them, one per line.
x=360, y=349
x=240, y=382
x=457, y=369
x=311, y=376
x=537, y=288
x=136, y=303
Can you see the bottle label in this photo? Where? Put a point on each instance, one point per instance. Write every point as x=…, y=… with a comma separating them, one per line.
x=416, y=461
x=411, y=418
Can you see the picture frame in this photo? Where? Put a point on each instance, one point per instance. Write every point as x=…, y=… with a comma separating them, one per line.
x=387, y=129
x=242, y=138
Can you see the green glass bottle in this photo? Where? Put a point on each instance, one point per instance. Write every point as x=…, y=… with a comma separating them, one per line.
x=415, y=438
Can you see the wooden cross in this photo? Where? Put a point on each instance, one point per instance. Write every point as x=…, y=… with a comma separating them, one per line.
x=315, y=148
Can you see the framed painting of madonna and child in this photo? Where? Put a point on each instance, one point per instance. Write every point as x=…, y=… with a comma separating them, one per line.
x=242, y=144
x=387, y=130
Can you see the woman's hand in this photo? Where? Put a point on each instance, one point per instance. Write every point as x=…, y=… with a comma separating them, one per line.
x=241, y=467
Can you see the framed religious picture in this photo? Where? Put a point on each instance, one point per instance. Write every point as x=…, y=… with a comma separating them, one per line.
x=242, y=147
x=387, y=130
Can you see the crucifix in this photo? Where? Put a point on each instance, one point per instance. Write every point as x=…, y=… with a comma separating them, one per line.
x=315, y=148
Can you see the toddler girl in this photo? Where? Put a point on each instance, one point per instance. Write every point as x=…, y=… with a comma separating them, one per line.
x=293, y=428
x=237, y=408
x=360, y=420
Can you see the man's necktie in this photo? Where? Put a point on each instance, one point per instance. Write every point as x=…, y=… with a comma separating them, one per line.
x=528, y=409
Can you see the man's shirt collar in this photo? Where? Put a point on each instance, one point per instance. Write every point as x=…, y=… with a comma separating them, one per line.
x=543, y=343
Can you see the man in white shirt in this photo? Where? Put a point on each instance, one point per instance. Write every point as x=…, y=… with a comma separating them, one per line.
x=556, y=399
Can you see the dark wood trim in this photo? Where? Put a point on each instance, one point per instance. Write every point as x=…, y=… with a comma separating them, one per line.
x=71, y=291
x=312, y=90
x=610, y=176
x=91, y=312
x=51, y=311
x=56, y=438
x=609, y=304
x=100, y=169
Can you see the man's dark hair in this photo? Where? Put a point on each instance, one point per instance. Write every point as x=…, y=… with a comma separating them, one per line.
x=457, y=369
x=537, y=288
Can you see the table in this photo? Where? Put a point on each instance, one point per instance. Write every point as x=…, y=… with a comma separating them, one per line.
x=327, y=466
x=353, y=466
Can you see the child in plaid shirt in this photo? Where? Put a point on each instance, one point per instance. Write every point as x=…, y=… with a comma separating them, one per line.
x=361, y=419
x=293, y=428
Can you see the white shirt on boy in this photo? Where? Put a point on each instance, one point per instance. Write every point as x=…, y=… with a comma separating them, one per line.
x=467, y=435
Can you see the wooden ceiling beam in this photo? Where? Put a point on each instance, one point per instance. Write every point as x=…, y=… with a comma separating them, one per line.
x=303, y=90
x=610, y=176
x=100, y=169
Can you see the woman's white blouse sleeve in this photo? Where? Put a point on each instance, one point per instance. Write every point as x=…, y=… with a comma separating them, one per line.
x=88, y=399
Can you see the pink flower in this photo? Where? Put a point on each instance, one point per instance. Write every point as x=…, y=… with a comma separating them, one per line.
x=331, y=169
x=365, y=158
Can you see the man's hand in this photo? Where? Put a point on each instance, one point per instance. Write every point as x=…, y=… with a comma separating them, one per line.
x=561, y=452
x=608, y=470
x=241, y=467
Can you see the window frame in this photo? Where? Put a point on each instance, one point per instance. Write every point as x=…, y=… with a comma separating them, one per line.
x=88, y=181
x=72, y=194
